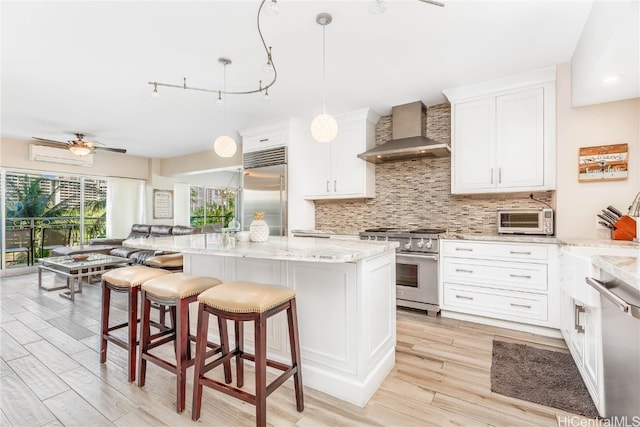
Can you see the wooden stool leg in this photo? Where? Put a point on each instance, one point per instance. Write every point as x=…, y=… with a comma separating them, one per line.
x=224, y=347
x=294, y=342
x=261, y=370
x=201, y=350
x=144, y=338
x=239, y=328
x=182, y=343
x=133, y=331
x=104, y=321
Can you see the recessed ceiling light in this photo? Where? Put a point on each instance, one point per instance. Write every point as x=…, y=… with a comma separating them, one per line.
x=610, y=79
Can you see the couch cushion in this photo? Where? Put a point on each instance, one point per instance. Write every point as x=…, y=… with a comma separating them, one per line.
x=140, y=228
x=180, y=230
x=123, y=252
x=160, y=230
x=141, y=256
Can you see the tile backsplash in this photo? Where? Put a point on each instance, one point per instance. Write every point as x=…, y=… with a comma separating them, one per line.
x=417, y=193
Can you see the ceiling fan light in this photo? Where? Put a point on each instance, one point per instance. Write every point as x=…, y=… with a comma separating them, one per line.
x=324, y=128
x=80, y=150
x=225, y=146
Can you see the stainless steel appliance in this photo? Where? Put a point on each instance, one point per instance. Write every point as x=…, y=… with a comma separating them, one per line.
x=265, y=188
x=620, y=348
x=416, y=265
x=526, y=221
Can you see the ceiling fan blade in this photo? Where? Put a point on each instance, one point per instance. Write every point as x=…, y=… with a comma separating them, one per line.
x=433, y=2
x=117, y=150
x=50, y=140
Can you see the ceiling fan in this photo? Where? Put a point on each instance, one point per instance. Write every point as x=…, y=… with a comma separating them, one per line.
x=80, y=147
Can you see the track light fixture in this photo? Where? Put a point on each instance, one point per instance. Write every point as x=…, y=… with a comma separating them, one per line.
x=269, y=66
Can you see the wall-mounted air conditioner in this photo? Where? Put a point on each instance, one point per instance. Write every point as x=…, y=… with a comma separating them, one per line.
x=41, y=153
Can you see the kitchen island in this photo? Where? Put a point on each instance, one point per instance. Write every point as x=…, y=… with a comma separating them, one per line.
x=345, y=292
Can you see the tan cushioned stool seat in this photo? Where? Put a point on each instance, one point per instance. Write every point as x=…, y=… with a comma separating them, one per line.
x=136, y=275
x=246, y=297
x=165, y=261
x=179, y=285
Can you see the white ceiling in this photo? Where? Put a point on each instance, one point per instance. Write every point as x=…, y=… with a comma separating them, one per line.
x=83, y=66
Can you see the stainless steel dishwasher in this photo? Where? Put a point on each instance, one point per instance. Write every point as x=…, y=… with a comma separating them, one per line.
x=620, y=347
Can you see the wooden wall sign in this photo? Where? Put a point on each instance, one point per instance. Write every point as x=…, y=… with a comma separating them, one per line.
x=603, y=163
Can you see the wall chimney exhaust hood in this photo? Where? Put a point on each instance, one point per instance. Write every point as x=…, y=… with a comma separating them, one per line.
x=408, y=137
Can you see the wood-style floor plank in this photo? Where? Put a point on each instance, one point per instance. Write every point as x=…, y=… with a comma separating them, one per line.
x=49, y=344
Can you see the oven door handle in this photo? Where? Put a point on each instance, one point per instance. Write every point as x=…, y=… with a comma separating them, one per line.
x=430, y=257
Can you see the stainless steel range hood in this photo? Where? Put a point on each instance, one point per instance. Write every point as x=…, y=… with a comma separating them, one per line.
x=408, y=137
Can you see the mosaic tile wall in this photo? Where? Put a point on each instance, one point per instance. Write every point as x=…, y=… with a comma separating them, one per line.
x=412, y=193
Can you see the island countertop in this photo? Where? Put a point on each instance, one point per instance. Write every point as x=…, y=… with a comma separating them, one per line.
x=278, y=248
x=624, y=268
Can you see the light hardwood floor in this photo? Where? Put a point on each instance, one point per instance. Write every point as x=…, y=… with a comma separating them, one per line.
x=50, y=375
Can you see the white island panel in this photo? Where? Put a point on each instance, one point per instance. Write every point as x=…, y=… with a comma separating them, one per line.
x=345, y=292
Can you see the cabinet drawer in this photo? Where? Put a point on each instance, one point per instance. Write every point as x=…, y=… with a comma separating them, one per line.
x=516, y=252
x=262, y=141
x=518, y=306
x=496, y=274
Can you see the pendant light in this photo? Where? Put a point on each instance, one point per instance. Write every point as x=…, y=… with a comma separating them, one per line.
x=224, y=145
x=324, y=127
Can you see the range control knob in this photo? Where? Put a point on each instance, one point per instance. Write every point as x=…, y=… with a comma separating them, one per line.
x=420, y=244
x=429, y=244
x=407, y=245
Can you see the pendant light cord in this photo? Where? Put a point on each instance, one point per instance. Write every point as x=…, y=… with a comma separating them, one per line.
x=224, y=102
x=324, y=72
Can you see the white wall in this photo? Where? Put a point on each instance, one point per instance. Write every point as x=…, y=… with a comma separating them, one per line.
x=578, y=203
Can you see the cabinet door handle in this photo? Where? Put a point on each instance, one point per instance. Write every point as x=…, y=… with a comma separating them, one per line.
x=499, y=175
x=491, y=175
x=327, y=186
x=464, y=249
x=520, y=252
x=464, y=297
x=264, y=140
x=462, y=270
x=335, y=185
x=513, y=304
x=520, y=276
x=576, y=321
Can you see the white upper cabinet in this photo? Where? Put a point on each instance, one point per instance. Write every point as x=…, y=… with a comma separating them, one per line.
x=503, y=135
x=334, y=170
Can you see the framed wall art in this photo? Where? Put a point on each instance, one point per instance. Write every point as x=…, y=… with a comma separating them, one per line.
x=162, y=204
x=603, y=163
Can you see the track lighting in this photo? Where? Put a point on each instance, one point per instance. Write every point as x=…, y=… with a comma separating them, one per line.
x=273, y=8
x=269, y=65
x=377, y=7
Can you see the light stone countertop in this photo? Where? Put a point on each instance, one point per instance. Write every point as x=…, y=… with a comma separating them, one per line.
x=281, y=248
x=624, y=268
x=515, y=238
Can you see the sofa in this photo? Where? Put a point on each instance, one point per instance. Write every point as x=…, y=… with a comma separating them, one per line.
x=114, y=247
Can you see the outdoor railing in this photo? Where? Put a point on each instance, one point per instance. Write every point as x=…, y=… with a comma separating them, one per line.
x=67, y=226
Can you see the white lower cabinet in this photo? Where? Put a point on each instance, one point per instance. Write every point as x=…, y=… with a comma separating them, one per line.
x=582, y=323
x=499, y=281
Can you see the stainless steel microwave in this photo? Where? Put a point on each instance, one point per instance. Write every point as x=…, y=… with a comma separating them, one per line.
x=526, y=221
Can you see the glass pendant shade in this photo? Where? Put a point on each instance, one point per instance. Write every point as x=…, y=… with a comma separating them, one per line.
x=324, y=128
x=79, y=150
x=225, y=146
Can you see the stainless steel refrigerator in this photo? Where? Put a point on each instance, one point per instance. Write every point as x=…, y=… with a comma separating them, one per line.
x=265, y=189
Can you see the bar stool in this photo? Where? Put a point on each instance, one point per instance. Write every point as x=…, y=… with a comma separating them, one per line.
x=176, y=291
x=243, y=302
x=125, y=279
x=171, y=262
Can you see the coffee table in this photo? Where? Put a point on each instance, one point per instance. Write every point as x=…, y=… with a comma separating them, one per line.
x=76, y=268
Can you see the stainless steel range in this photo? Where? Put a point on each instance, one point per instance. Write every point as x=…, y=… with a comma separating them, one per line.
x=416, y=265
